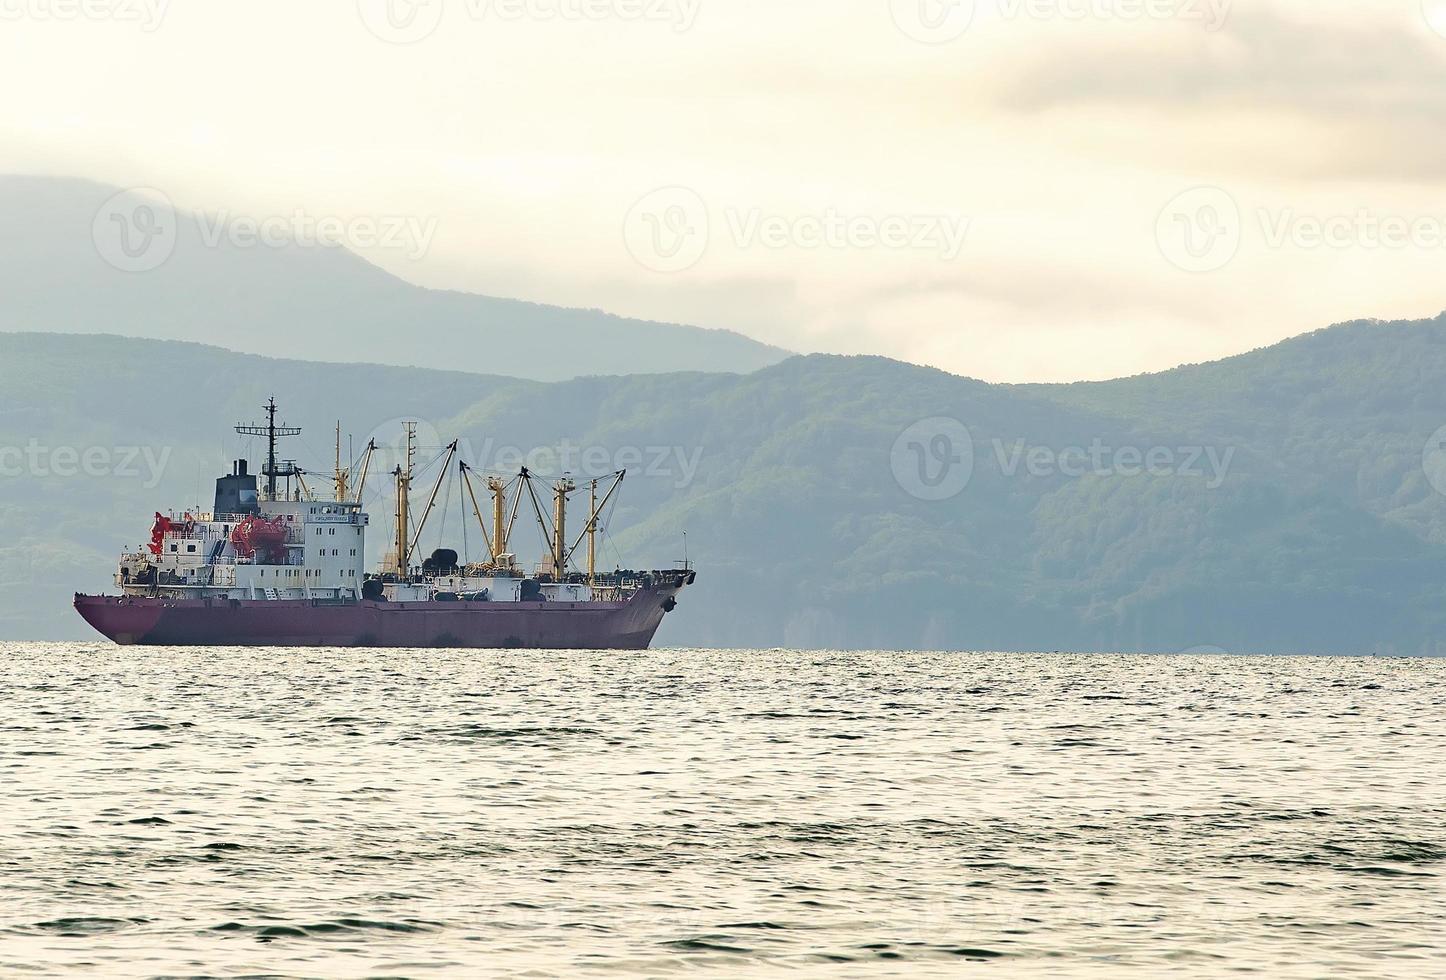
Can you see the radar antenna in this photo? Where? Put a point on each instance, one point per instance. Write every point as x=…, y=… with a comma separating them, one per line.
x=272, y=432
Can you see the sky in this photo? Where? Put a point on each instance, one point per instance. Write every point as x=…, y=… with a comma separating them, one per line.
x=1014, y=190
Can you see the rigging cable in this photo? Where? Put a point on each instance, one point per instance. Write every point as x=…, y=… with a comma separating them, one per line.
x=462, y=509
x=446, y=509
x=604, y=522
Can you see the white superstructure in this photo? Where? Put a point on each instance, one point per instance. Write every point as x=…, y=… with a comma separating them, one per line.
x=319, y=553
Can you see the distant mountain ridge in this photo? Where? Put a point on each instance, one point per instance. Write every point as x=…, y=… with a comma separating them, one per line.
x=301, y=300
x=1288, y=500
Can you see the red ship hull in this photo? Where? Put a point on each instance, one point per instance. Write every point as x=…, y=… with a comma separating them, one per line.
x=627, y=625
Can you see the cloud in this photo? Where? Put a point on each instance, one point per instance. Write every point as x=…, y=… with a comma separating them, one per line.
x=1285, y=96
x=1259, y=61
x=1060, y=138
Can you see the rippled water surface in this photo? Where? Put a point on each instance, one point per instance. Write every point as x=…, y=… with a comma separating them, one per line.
x=339, y=813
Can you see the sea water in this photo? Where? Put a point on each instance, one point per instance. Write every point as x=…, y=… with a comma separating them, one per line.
x=221, y=812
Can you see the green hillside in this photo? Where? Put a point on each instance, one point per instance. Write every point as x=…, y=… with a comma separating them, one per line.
x=1273, y=502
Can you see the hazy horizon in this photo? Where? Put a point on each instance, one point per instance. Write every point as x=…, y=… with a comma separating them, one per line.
x=1013, y=190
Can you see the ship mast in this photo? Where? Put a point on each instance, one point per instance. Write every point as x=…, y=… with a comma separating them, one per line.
x=339, y=476
x=366, y=465
x=560, y=490
x=403, y=474
x=592, y=533
x=501, y=559
x=499, y=516
x=595, y=512
x=272, y=432
x=432, y=500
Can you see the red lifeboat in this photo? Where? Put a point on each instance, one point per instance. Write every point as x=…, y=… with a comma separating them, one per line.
x=260, y=539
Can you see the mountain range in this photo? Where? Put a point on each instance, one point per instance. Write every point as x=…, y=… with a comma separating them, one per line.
x=1291, y=499
x=83, y=257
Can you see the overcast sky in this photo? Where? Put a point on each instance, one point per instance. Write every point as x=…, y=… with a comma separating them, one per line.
x=1009, y=189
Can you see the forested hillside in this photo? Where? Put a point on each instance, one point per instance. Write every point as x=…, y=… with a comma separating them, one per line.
x=1284, y=500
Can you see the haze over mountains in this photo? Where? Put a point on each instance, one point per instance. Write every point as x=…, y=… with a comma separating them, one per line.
x=1292, y=499
x=216, y=278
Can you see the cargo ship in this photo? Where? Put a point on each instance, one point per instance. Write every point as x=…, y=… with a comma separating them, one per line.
x=273, y=565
